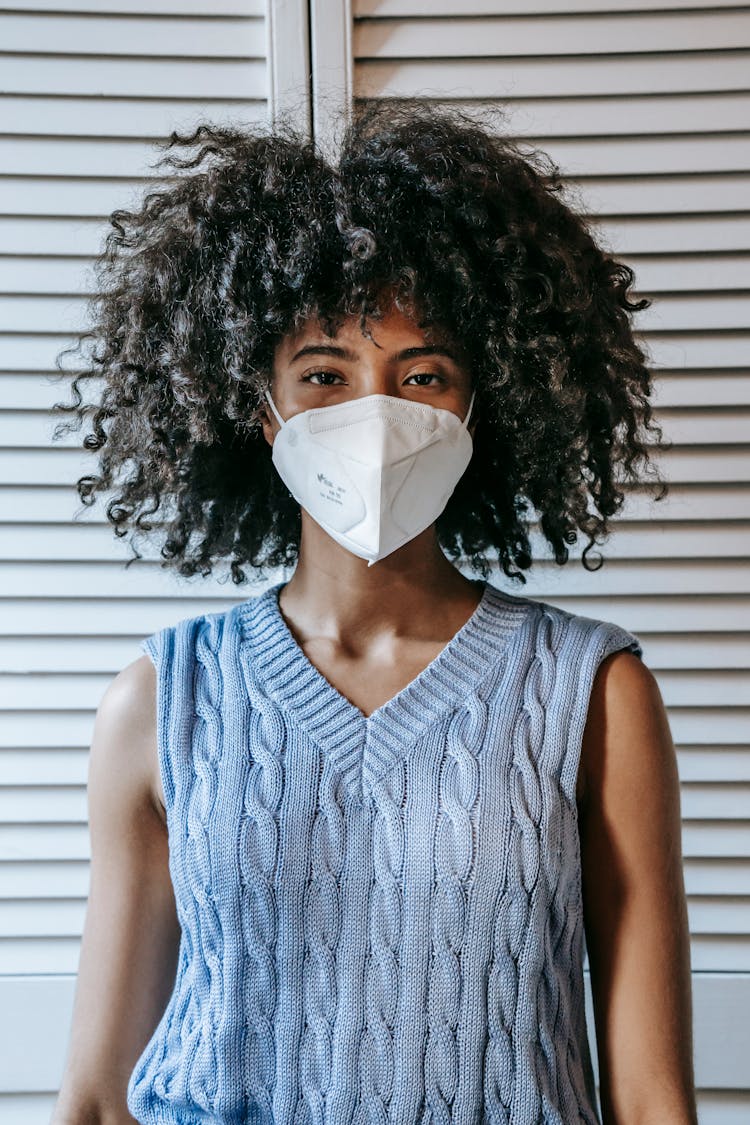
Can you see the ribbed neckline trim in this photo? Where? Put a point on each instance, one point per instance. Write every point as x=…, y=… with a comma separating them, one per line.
x=370, y=744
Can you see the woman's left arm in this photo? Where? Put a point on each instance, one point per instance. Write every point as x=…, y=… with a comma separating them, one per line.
x=635, y=910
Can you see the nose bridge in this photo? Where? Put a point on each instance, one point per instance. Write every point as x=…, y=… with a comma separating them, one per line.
x=376, y=377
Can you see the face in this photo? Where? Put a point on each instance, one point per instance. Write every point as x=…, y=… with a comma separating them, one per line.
x=311, y=369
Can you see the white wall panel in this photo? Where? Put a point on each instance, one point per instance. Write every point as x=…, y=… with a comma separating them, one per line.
x=88, y=88
x=645, y=107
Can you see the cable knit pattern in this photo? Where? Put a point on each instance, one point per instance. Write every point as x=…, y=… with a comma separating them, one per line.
x=381, y=918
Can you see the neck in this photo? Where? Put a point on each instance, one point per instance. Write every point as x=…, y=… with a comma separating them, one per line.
x=413, y=589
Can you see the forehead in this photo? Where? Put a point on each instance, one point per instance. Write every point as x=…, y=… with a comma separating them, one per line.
x=393, y=329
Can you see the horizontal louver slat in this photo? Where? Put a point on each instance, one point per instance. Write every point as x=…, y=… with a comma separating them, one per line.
x=141, y=117
x=160, y=37
x=577, y=76
x=182, y=8
x=701, y=272
x=80, y=692
x=401, y=8
x=700, y=503
x=478, y=37
x=119, y=78
x=609, y=117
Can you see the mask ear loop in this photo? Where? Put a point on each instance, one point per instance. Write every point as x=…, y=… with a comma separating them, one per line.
x=279, y=419
x=468, y=412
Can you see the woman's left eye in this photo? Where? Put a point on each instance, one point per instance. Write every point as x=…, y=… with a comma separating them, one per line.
x=325, y=377
x=423, y=375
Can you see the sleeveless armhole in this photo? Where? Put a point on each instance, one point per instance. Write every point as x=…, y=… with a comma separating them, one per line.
x=160, y=648
x=604, y=638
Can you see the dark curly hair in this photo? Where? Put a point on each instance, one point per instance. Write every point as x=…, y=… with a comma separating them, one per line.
x=425, y=206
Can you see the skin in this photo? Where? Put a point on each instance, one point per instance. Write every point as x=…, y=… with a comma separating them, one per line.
x=370, y=631
x=635, y=911
x=131, y=934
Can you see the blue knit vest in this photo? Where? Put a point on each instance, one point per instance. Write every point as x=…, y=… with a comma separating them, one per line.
x=381, y=918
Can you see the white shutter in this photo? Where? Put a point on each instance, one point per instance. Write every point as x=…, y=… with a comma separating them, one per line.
x=88, y=87
x=645, y=107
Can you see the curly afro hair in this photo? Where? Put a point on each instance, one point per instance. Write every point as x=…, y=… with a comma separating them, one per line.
x=258, y=232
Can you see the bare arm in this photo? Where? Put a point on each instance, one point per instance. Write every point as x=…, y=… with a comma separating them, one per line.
x=130, y=943
x=635, y=911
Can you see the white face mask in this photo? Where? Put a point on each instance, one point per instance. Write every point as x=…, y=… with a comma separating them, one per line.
x=375, y=471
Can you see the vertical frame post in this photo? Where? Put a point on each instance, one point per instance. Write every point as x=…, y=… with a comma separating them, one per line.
x=288, y=55
x=331, y=69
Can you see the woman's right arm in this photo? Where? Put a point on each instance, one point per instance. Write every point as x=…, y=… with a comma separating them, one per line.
x=129, y=949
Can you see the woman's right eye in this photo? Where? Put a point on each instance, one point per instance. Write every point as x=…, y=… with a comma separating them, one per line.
x=325, y=377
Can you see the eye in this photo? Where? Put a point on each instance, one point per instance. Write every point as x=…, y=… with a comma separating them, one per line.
x=424, y=375
x=320, y=378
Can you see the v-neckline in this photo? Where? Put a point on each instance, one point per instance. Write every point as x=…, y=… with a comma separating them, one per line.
x=363, y=747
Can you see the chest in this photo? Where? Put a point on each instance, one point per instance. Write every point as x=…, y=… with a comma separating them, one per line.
x=467, y=809
x=369, y=682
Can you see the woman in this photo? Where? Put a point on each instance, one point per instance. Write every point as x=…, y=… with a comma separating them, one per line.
x=347, y=836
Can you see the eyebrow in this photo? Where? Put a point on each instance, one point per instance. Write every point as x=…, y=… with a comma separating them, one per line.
x=344, y=353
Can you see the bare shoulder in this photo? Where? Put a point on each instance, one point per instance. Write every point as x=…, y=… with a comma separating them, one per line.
x=626, y=725
x=128, y=710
